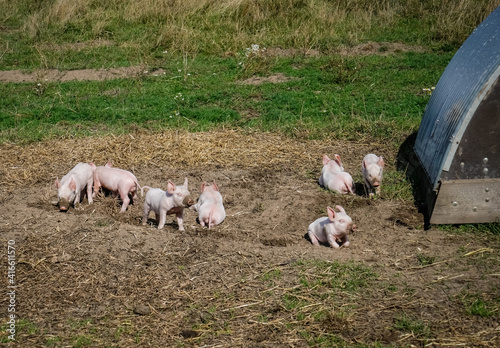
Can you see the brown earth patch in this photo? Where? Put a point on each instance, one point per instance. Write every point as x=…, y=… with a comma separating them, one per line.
x=97, y=275
x=52, y=75
x=379, y=48
x=258, y=80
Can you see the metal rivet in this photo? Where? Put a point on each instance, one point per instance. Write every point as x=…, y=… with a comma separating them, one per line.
x=485, y=171
x=474, y=209
x=455, y=204
x=485, y=160
x=487, y=199
x=487, y=189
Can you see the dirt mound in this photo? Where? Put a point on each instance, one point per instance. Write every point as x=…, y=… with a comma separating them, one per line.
x=258, y=80
x=52, y=75
x=379, y=48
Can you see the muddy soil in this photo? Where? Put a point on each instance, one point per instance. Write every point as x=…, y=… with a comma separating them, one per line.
x=92, y=276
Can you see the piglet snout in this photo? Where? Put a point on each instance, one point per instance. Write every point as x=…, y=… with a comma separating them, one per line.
x=63, y=205
x=188, y=201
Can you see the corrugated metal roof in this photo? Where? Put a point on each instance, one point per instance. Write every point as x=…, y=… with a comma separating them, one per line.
x=464, y=83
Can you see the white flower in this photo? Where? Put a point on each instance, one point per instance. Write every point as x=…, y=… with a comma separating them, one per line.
x=428, y=90
x=254, y=49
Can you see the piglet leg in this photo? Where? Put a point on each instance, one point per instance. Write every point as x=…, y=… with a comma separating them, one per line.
x=180, y=221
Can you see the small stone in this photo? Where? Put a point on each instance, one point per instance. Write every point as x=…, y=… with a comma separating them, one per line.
x=142, y=310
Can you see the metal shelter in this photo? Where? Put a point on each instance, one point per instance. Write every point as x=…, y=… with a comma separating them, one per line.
x=458, y=143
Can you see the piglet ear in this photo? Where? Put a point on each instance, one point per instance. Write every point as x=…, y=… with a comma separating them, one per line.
x=170, y=187
x=72, y=185
x=331, y=213
x=214, y=185
x=109, y=164
x=326, y=159
x=337, y=159
x=203, y=184
x=339, y=208
x=56, y=183
x=381, y=161
x=92, y=165
x=185, y=181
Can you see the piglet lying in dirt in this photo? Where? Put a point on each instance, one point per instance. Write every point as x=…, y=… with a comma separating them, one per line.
x=331, y=229
x=333, y=176
x=210, y=207
x=70, y=187
x=162, y=203
x=116, y=180
x=372, y=168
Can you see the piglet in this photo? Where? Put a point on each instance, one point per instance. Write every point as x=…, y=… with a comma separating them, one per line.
x=210, y=207
x=70, y=187
x=116, y=180
x=372, y=168
x=162, y=203
x=333, y=176
x=331, y=229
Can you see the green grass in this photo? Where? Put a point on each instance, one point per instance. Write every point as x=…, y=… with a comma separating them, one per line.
x=493, y=228
x=425, y=260
x=205, y=47
x=348, y=277
x=384, y=102
x=23, y=327
x=476, y=304
x=408, y=324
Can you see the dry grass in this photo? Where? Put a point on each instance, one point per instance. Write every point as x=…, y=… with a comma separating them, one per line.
x=229, y=25
x=38, y=162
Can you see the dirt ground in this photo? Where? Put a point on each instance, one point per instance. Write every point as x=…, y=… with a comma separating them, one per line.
x=95, y=277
